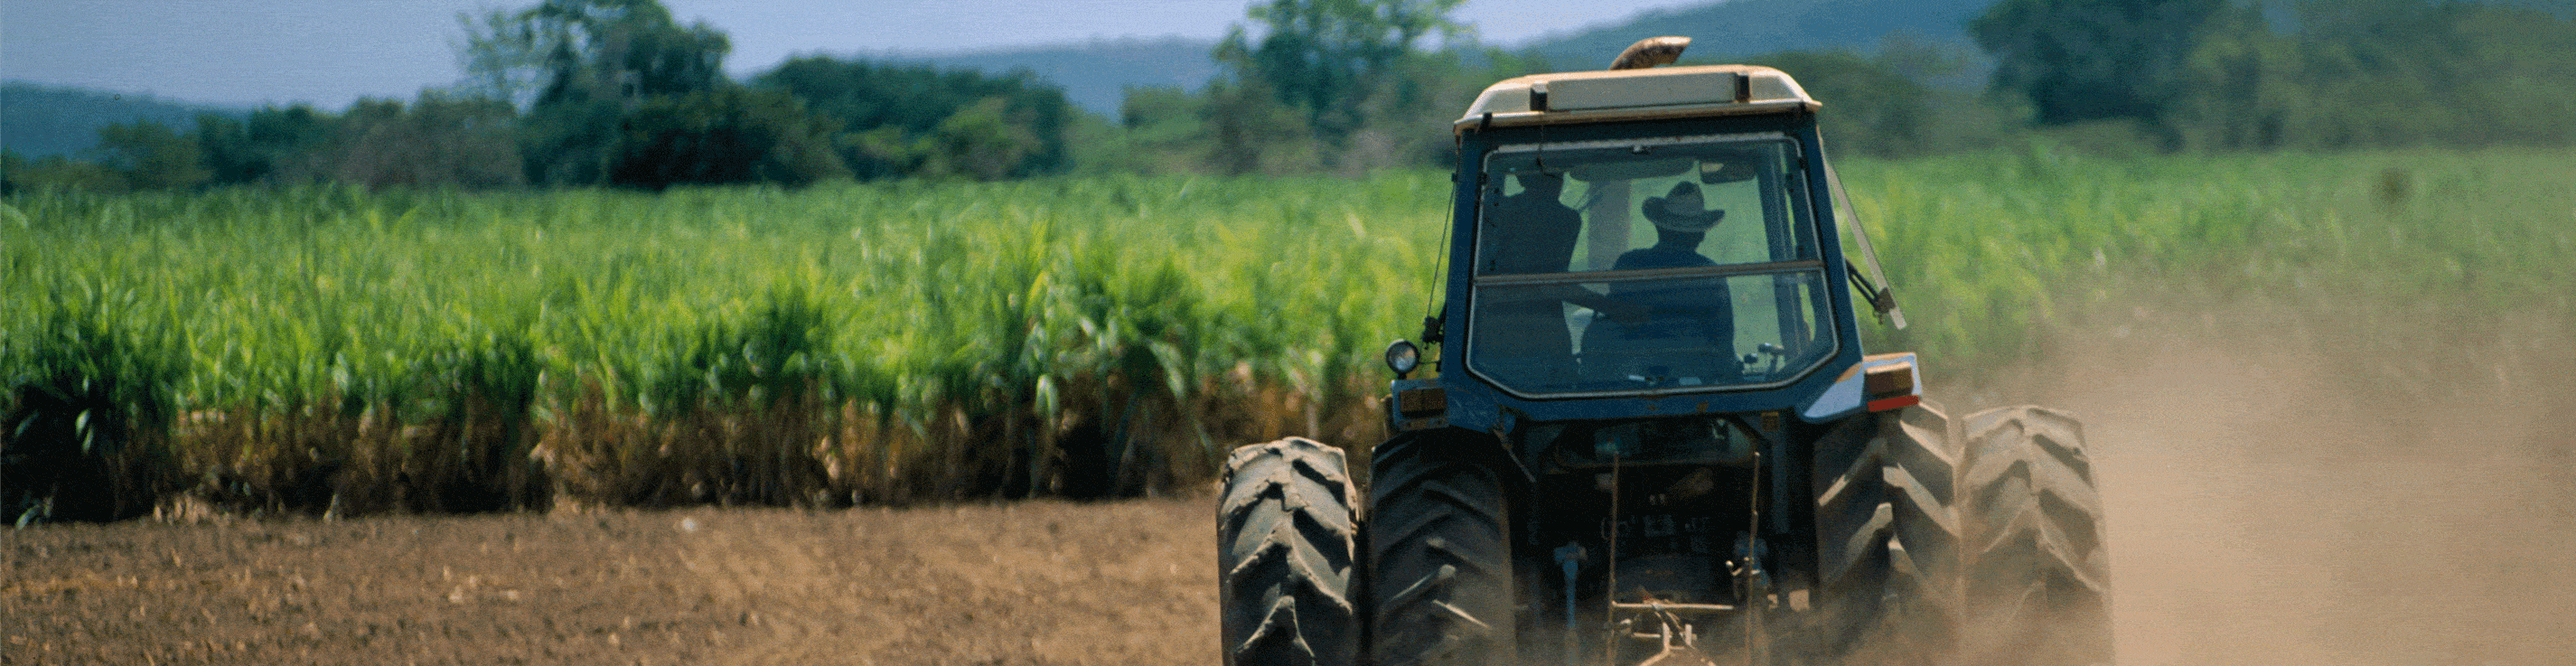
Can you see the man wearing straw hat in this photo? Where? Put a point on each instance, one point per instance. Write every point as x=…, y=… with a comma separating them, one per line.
x=1688, y=334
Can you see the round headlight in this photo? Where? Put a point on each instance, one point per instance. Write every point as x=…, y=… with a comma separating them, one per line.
x=1402, y=357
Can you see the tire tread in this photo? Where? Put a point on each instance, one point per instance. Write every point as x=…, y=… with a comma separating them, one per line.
x=1888, y=538
x=1288, y=538
x=1439, y=557
x=2037, y=575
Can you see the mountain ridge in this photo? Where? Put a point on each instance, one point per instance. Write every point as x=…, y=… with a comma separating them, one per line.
x=1721, y=30
x=45, y=120
x=1169, y=62
x=1742, y=28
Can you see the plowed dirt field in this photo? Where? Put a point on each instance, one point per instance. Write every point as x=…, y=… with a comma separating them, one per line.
x=1027, y=583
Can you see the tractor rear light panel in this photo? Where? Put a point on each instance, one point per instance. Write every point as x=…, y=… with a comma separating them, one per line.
x=1890, y=385
x=1419, y=404
x=1422, y=402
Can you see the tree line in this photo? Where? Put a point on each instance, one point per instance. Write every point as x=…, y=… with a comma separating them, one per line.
x=2305, y=75
x=576, y=93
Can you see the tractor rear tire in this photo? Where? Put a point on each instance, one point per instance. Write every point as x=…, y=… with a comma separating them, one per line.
x=1440, y=560
x=1286, y=533
x=2037, y=575
x=1887, y=539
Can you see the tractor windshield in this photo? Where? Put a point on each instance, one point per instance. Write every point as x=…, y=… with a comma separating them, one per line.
x=1669, y=264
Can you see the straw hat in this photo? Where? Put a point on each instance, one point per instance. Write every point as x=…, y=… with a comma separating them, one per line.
x=1680, y=210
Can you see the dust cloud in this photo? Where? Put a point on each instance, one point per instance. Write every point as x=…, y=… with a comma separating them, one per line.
x=2267, y=505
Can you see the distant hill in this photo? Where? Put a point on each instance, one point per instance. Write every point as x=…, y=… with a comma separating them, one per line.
x=39, y=120
x=1096, y=75
x=1741, y=28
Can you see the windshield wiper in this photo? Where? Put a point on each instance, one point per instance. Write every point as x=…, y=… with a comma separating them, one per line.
x=1882, y=299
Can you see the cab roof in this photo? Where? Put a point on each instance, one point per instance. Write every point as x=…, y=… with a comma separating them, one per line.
x=1635, y=94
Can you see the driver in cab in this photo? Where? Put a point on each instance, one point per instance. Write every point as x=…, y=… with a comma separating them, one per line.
x=1687, y=336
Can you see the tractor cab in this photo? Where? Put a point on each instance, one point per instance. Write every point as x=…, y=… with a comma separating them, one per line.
x=1630, y=240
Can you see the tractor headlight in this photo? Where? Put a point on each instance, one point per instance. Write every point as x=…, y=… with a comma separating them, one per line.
x=1403, y=357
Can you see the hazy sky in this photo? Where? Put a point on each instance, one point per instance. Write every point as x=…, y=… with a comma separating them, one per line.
x=331, y=52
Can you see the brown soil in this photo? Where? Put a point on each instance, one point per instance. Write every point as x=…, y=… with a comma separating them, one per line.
x=2264, y=508
x=1029, y=583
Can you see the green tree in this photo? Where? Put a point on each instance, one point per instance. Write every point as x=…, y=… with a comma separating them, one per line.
x=1344, y=86
x=151, y=156
x=1252, y=132
x=229, y=159
x=917, y=120
x=1157, y=130
x=725, y=136
x=1327, y=58
x=2076, y=61
x=569, y=51
x=1876, y=110
x=439, y=140
x=55, y=172
x=1887, y=104
x=2383, y=73
x=272, y=145
x=580, y=66
x=987, y=140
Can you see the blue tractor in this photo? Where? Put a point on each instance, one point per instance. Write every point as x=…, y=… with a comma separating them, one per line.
x=1653, y=436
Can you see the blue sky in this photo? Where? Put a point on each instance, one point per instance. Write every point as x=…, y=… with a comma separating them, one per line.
x=331, y=52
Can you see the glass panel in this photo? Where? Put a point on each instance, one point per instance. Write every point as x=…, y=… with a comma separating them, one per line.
x=1716, y=280
x=1584, y=209
x=1671, y=333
